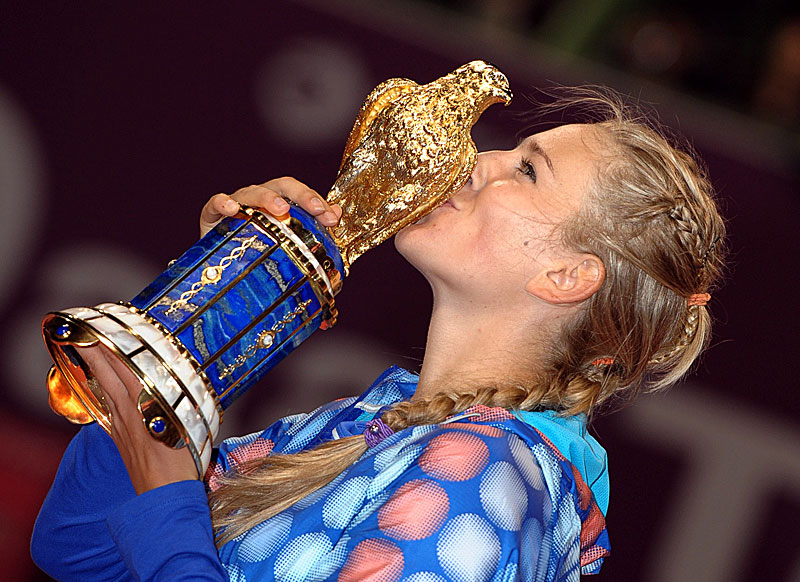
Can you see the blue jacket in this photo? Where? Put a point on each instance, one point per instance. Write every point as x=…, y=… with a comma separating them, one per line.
x=484, y=497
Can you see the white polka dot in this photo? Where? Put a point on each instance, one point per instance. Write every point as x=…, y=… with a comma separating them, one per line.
x=265, y=538
x=526, y=463
x=422, y=430
x=468, y=549
x=534, y=549
x=403, y=457
x=503, y=495
x=344, y=501
x=235, y=573
x=302, y=559
x=424, y=577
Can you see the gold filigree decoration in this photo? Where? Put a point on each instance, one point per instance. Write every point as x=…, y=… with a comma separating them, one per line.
x=211, y=275
x=409, y=150
x=264, y=340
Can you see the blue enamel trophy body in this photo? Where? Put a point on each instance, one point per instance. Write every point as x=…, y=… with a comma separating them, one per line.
x=244, y=296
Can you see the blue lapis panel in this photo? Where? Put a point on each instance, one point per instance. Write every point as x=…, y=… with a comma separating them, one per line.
x=186, y=300
x=220, y=322
x=187, y=263
x=238, y=367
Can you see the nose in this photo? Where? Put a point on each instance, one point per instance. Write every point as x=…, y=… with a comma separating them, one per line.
x=484, y=171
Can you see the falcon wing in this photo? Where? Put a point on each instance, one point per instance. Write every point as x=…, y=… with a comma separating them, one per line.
x=381, y=96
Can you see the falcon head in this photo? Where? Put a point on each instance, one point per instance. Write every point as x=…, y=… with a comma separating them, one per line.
x=485, y=80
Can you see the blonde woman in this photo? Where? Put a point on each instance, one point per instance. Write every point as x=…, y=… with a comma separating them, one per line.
x=570, y=271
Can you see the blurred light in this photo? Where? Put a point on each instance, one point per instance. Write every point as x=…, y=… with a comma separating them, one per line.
x=309, y=93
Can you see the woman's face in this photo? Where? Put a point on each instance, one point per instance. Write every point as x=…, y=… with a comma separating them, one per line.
x=502, y=226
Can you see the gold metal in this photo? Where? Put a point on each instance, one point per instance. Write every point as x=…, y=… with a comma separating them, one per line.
x=62, y=399
x=409, y=150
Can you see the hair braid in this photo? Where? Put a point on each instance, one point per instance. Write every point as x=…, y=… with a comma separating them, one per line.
x=257, y=490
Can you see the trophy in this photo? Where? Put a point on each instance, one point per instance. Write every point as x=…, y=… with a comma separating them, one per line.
x=250, y=291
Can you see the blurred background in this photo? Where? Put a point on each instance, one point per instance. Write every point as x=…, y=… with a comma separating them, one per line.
x=119, y=120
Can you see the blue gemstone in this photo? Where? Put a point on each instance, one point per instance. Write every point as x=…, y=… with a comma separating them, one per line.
x=63, y=330
x=157, y=425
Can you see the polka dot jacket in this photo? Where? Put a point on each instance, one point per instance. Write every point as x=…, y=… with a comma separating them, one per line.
x=484, y=497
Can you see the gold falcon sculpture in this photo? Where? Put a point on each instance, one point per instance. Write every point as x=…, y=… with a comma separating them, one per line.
x=410, y=149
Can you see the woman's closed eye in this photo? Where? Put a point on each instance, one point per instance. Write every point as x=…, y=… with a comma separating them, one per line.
x=526, y=167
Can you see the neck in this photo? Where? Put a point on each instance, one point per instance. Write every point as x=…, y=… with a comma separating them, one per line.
x=473, y=346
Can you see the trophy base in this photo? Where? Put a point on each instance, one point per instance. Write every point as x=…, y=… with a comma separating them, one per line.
x=178, y=406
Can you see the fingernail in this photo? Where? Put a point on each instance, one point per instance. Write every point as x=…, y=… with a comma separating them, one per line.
x=281, y=204
x=231, y=205
x=329, y=218
x=317, y=205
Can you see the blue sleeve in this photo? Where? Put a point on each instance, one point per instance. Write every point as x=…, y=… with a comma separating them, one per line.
x=166, y=534
x=70, y=538
x=93, y=526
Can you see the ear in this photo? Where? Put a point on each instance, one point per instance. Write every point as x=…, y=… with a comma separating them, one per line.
x=569, y=279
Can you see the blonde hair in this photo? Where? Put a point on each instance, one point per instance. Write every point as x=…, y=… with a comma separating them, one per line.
x=652, y=220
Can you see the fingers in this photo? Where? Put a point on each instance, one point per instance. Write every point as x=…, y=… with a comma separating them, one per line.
x=150, y=464
x=272, y=197
x=119, y=385
x=218, y=207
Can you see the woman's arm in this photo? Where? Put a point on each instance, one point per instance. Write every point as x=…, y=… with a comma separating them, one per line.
x=71, y=539
x=131, y=504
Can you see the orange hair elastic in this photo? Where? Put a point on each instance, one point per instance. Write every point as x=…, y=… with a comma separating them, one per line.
x=698, y=299
x=603, y=361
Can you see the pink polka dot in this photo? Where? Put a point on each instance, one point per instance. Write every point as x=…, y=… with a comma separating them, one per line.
x=258, y=449
x=454, y=456
x=483, y=429
x=373, y=560
x=415, y=511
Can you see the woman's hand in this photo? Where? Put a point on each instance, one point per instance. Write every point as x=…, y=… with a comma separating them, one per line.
x=150, y=463
x=270, y=196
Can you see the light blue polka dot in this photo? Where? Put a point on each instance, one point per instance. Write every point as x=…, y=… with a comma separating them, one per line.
x=503, y=496
x=507, y=574
x=424, y=577
x=263, y=540
x=235, y=573
x=468, y=548
x=402, y=460
x=298, y=561
x=344, y=501
x=532, y=549
x=526, y=463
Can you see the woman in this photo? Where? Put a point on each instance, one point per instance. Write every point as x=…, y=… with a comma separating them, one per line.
x=568, y=272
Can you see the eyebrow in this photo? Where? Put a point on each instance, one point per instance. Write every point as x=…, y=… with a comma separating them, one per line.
x=534, y=147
